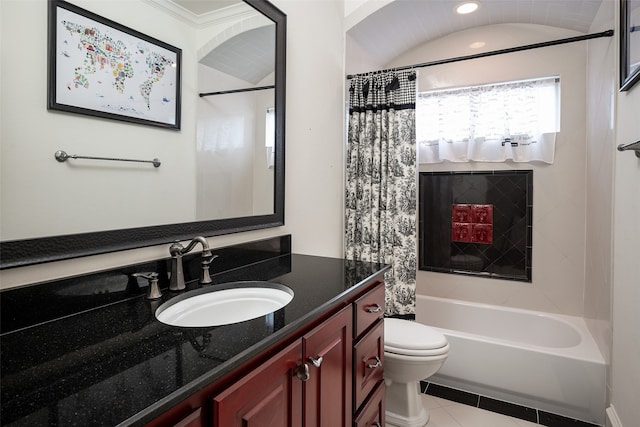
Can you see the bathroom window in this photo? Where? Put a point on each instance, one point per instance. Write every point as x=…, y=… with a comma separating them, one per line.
x=515, y=121
x=270, y=136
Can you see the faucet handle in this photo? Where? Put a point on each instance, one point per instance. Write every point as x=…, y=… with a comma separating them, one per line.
x=154, y=289
x=176, y=248
x=207, y=257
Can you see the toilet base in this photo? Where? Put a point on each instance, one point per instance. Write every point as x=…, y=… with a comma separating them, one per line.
x=404, y=407
x=394, y=420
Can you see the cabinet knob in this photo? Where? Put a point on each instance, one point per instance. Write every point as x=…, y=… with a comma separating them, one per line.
x=375, y=365
x=302, y=372
x=317, y=361
x=374, y=308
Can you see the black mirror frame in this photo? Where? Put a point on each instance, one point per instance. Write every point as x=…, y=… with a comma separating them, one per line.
x=628, y=77
x=18, y=253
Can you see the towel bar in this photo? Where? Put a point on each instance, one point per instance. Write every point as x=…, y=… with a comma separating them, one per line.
x=62, y=156
x=634, y=146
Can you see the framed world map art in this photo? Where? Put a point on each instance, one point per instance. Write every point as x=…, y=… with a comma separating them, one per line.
x=100, y=68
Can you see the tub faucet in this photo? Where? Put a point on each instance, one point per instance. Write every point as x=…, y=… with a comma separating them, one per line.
x=177, y=251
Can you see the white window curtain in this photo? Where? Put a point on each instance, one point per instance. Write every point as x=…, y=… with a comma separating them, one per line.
x=515, y=121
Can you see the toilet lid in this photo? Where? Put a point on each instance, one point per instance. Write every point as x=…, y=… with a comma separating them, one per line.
x=412, y=338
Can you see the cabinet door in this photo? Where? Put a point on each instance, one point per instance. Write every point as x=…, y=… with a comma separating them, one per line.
x=270, y=396
x=191, y=420
x=327, y=350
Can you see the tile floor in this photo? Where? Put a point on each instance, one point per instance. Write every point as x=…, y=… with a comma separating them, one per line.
x=446, y=413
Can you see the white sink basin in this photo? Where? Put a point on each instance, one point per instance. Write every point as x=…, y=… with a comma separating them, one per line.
x=224, y=304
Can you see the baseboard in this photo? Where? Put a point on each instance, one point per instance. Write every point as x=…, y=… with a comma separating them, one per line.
x=612, y=417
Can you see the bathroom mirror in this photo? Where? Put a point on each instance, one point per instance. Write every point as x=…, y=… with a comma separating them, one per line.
x=629, y=43
x=168, y=203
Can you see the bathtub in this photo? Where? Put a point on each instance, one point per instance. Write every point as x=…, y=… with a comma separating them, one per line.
x=540, y=360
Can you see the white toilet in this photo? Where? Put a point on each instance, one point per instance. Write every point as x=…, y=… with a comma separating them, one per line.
x=412, y=352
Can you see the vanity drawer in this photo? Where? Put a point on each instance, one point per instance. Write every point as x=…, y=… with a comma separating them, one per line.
x=368, y=358
x=372, y=415
x=369, y=308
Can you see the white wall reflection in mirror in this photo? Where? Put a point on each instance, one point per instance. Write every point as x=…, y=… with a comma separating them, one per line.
x=232, y=138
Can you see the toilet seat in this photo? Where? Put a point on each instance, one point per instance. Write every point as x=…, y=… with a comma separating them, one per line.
x=408, y=338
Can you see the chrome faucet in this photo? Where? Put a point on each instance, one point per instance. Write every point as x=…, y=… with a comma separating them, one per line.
x=177, y=251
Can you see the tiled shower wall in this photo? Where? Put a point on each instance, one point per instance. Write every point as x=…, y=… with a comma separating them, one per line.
x=559, y=198
x=476, y=223
x=599, y=180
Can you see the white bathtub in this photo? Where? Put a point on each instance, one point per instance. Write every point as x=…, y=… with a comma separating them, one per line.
x=540, y=360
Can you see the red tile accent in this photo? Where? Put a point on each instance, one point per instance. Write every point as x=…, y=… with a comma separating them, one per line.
x=472, y=223
x=461, y=213
x=482, y=214
x=461, y=232
x=482, y=233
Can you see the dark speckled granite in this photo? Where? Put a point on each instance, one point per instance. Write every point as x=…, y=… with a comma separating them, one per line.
x=111, y=362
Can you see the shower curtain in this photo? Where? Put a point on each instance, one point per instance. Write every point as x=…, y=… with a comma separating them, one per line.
x=381, y=173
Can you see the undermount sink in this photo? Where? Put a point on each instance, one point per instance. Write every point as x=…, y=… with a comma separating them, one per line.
x=224, y=304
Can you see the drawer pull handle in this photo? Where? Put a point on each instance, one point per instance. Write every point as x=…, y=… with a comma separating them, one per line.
x=375, y=365
x=316, y=361
x=302, y=372
x=374, y=309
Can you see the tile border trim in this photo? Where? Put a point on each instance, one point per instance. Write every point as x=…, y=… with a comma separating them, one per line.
x=532, y=415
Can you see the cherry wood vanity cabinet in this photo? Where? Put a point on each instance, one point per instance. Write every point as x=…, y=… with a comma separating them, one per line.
x=327, y=373
x=307, y=384
x=368, y=358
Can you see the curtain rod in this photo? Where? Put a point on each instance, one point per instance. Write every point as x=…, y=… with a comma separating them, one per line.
x=224, y=92
x=607, y=33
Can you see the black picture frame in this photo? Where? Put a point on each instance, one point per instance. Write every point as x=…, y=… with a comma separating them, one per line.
x=100, y=68
x=629, y=43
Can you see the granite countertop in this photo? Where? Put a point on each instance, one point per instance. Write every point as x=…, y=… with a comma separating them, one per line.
x=114, y=363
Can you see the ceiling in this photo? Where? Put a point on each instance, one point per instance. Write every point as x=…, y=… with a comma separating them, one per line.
x=200, y=7
x=249, y=56
x=404, y=24
x=247, y=52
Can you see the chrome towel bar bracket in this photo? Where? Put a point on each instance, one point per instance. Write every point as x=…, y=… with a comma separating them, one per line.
x=62, y=156
x=634, y=146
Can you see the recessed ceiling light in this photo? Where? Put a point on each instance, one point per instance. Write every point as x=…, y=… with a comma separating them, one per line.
x=467, y=7
x=477, y=45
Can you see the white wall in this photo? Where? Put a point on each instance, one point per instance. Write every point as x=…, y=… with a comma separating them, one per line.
x=314, y=137
x=601, y=95
x=559, y=193
x=315, y=125
x=230, y=148
x=625, y=379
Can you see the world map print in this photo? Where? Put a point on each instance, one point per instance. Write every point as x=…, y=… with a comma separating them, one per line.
x=101, y=68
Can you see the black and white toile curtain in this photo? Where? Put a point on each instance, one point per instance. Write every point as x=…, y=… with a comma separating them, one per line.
x=381, y=181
